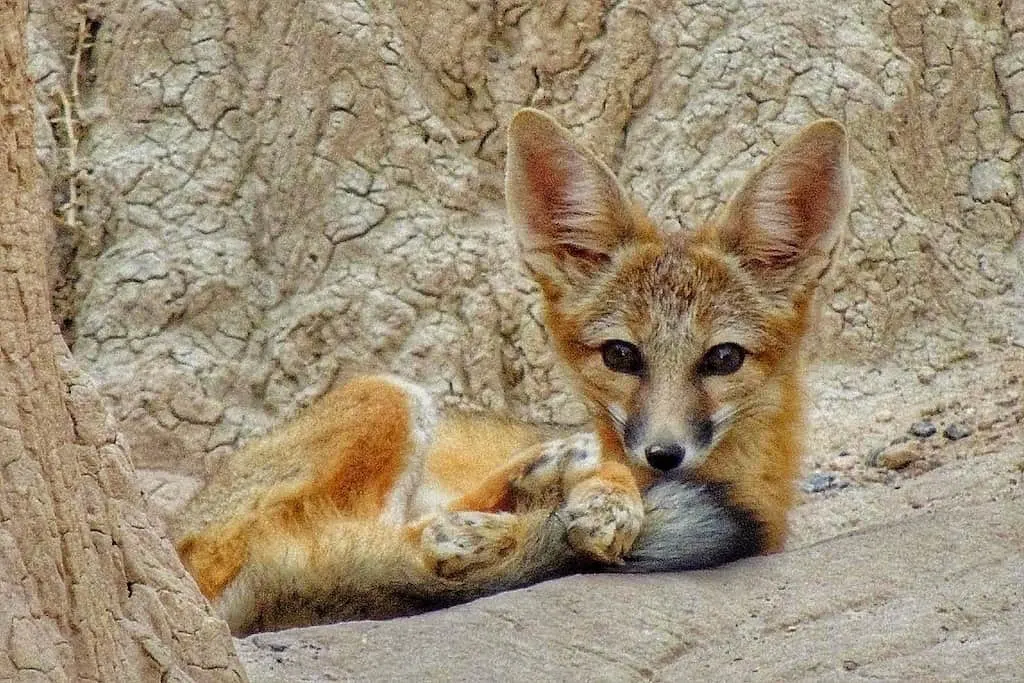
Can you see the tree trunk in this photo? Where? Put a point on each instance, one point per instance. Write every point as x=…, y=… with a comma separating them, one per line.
x=88, y=589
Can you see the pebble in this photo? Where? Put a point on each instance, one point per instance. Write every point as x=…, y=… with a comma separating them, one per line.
x=922, y=429
x=845, y=465
x=898, y=458
x=956, y=431
x=822, y=481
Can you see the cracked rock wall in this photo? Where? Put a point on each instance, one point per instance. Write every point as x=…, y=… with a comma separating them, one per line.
x=260, y=197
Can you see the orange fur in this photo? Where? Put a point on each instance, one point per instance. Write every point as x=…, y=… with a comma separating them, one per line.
x=355, y=440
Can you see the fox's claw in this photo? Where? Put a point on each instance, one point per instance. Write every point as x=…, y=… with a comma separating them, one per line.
x=455, y=544
x=603, y=523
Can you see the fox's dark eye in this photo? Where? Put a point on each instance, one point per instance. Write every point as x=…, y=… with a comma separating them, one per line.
x=621, y=356
x=722, y=359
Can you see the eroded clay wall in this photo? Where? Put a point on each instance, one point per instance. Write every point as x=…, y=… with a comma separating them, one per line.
x=260, y=197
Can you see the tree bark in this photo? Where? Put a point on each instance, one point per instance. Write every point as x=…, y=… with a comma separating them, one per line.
x=89, y=589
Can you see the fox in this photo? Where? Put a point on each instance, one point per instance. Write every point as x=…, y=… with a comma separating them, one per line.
x=686, y=346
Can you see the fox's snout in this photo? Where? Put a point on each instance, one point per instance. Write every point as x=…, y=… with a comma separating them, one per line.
x=666, y=449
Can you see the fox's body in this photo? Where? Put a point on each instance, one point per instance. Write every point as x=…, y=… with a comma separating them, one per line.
x=687, y=348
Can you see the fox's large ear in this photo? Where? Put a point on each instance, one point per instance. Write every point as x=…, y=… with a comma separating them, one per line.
x=788, y=218
x=569, y=211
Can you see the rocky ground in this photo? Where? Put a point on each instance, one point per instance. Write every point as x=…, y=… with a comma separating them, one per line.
x=935, y=596
x=932, y=593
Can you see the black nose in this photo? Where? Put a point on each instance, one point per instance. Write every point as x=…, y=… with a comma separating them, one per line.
x=665, y=456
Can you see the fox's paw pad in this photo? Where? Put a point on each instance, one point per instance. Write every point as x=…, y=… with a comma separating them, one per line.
x=458, y=543
x=603, y=524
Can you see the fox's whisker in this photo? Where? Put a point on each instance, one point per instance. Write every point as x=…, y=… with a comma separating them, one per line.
x=615, y=415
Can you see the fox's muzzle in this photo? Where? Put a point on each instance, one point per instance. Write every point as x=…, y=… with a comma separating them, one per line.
x=668, y=444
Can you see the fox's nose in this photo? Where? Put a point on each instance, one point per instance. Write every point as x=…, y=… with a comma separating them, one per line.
x=665, y=456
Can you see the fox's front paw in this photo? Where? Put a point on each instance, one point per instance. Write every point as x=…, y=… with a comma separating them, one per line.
x=543, y=482
x=456, y=544
x=602, y=522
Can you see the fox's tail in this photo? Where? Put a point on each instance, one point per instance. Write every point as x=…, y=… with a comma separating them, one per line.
x=691, y=525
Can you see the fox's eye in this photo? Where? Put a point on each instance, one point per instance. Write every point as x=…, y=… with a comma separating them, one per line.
x=621, y=356
x=723, y=359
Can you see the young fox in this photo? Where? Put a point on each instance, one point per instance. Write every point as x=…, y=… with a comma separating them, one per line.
x=686, y=348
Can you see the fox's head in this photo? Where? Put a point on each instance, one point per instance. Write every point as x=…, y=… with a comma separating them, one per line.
x=676, y=339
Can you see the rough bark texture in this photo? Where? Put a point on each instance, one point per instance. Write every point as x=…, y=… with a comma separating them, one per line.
x=89, y=590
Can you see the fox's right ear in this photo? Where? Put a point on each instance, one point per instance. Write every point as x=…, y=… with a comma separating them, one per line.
x=787, y=220
x=569, y=211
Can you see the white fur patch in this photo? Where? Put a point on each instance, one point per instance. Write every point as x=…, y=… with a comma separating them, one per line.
x=429, y=498
x=398, y=507
x=721, y=419
x=618, y=413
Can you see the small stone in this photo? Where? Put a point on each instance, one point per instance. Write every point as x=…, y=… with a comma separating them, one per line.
x=922, y=429
x=873, y=455
x=993, y=181
x=956, y=431
x=1010, y=400
x=823, y=481
x=818, y=482
x=899, y=458
x=883, y=416
x=844, y=465
x=926, y=375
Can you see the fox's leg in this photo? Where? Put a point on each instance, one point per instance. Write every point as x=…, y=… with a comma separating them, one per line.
x=500, y=492
x=360, y=452
x=381, y=428
x=478, y=534
x=468, y=545
x=598, y=501
x=601, y=503
x=535, y=477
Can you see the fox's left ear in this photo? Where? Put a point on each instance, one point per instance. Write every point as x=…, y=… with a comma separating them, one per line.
x=788, y=218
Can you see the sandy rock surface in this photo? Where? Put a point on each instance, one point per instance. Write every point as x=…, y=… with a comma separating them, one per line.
x=935, y=595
